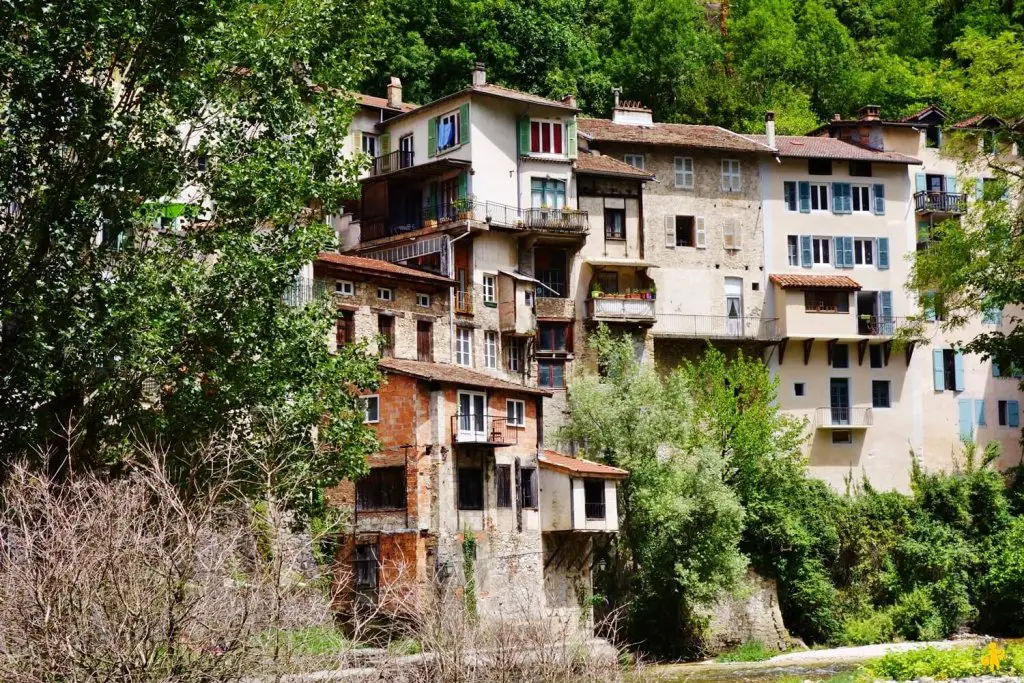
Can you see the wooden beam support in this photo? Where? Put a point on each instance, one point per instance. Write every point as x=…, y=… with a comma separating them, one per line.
x=782, y=349
x=808, y=343
x=862, y=346
x=908, y=351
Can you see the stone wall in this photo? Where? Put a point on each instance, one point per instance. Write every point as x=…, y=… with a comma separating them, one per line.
x=752, y=615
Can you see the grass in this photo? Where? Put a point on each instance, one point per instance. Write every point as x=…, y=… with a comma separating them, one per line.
x=750, y=651
x=314, y=640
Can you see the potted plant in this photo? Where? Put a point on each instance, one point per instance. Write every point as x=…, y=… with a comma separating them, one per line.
x=596, y=291
x=464, y=207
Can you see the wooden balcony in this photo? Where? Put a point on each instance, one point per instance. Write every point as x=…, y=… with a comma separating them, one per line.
x=620, y=310
x=488, y=430
x=837, y=417
x=940, y=202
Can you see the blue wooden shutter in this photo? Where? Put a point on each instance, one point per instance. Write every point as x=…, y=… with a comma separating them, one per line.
x=979, y=412
x=464, y=123
x=966, y=419
x=806, y=257
x=883, y=253
x=958, y=371
x=938, y=375
x=950, y=183
x=878, y=191
x=885, y=304
x=1013, y=413
x=837, y=198
x=920, y=182
x=848, y=246
x=805, y=196
x=837, y=250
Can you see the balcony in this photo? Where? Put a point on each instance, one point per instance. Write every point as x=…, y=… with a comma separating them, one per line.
x=487, y=430
x=841, y=417
x=464, y=301
x=386, y=163
x=441, y=214
x=879, y=325
x=594, y=511
x=940, y=202
x=718, y=327
x=304, y=290
x=620, y=310
x=567, y=222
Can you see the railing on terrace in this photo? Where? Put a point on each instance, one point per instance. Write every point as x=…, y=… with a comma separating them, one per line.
x=484, y=429
x=567, y=221
x=720, y=326
x=594, y=510
x=880, y=325
x=464, y=300
x=840, y=417
x=562, y=221
x=393, y=161
x=612, y=308
x=940, y=202
x=304, y=290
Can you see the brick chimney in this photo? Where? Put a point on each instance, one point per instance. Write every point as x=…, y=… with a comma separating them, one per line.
x=569, y=101
x=869, y=113
x=395, y=93
x=479, y=74
x=769, y=128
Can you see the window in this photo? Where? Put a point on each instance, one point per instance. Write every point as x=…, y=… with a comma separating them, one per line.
x=528, y=298
x=1009, y=413
x=635, y=160
x=491, y=350
x=448, y=130
x=344, y=288
x=819, y=197
x=201, y=163
x=863, y=249
x=861, y=198
x=405, y=146
x=860, y=169
x=385, y=293
x=731, y=175
x=685, y=236
x=593, y=498
x=371, y=408
x=345, y=328
x=370, y=145
x=789, y=195
x=949, y=369
x=684, y=173
x=551, y=373
x=546, y=137
x=615, y=224
x=550, y=266
x=793, y=249
x=932, y=137
x=471, y=488
x=819, y=166
x=515, y=411
x=547, y=193
x=816, y=301
x=820, y=250
x=424, y=340
x=842, y=436
x=423, y=300
x=386, y=329
x=553, y=337
x=514, y=350
x=608, y=281
x=464, y=346
x=880, y=393
x=366, y=565
x=841, y=356
x=876, y=357
x=382, y=489
x=799, y=389
x=503, y=483
x=731, y=236
x=490, y=297
x=528, y=488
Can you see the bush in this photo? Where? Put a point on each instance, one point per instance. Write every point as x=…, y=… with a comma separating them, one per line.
x=1002, y=590
x=951, y=663
x=750, y=651
x=915, y=617
x=877, y=627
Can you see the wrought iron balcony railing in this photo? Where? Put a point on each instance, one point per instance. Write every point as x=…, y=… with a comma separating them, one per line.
x=594, y=510
x=619, y=308
x=842, y=417
x=566, y=221
x=940, y=202
x=879, y=325
x=720, y=326
x=393, y=161
x=485, y=429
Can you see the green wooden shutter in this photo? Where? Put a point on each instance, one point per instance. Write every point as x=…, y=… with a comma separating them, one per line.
x=523, y=128
x=805, y=196
x=464, y=124
x=878, y=191
x=432, y=136
x=883, y=253
x=571, y=141
x=463, y=184
x=938, y=376
x=385, y=144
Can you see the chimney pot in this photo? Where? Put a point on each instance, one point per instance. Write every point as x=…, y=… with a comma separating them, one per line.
x=479, y=74
x=769, y=128
x=395, y=93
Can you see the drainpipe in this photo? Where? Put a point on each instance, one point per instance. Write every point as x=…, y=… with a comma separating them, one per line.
x=451, y=296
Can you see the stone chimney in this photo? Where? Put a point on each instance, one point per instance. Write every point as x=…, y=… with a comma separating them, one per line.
x=395, y=93
x=630, y=112
x=479, y=74
x=869, y=113
x=769, y=128
x=569, y=101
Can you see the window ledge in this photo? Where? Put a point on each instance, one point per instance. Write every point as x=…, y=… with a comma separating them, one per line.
x=380, y=510
x=448, y=150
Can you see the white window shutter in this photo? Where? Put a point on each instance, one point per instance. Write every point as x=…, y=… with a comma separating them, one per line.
x=670, y=232
x=737, y=236
x=729, y=234
x=702, y=235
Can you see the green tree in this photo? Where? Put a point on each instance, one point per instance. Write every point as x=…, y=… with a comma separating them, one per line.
x=117, y=112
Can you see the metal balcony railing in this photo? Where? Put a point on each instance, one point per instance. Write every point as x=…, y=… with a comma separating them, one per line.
x=615, y=308
x=483, y=429
x=393, y=161
x=304, y=290
x=879, y=325
x=841, y=417
x=594, y=510
x=940, y=202
x=566, y=221
x=721, y=326
x=464, y=301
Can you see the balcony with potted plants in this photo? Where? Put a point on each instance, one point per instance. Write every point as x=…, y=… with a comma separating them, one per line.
x=629, y=306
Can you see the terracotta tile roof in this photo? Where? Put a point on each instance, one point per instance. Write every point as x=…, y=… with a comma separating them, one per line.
x=553, y=460
x=674, y=134
x=977, y=121
x=455, y=374
x=812, y=147
x=382, y=103
x=917, y=115
x=799, y=281
x=509, y=93
x=602, y=164
x=369, y=266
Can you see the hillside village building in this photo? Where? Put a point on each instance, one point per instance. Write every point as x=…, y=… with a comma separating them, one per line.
x=496, y=230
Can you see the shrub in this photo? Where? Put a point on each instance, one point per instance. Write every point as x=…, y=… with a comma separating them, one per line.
x=928, y=662
x=1002, y=599
x=915, y=617
x=877, y=627
x=750, y=651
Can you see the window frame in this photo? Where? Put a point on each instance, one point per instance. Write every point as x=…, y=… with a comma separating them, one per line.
x=490, y=288
x=693, y=232
x=341, y=285
x=848, y=441
x=468, y=352
x=793, y=250
x=518, y=412
x=366, y=401
x=491, y=349
x=729, y=174
x=544, y=187
x=679, y=169
x=598, y=485
x=514, y=355
x=465, y=471
x=634, y=156
x=371, y=566
x=857, y=168
x=801, y=392
x=791, y=196
x=821, y=247
x=823, y=303
x=528, y=489
x=819, y=167
x=863, y=247
x=547, y=366
x=864, y=191
x=551, y=328
x=370, y=140
x=551, y=124
x=609, y=234
x=385, y=294
x=456, y=119
x=846, y=356
x=380, y=474
x=422, y=300
x=817, y=190
x=873, y=350
x=875, y=384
